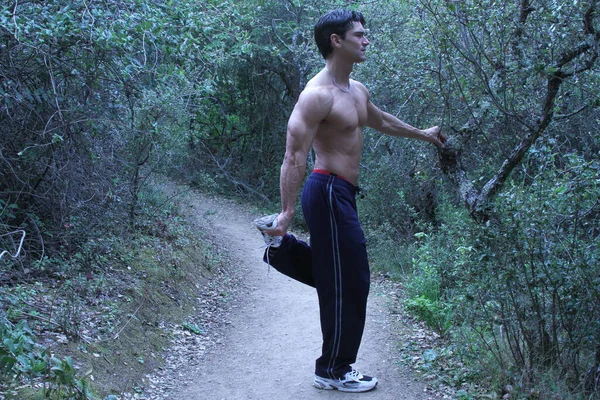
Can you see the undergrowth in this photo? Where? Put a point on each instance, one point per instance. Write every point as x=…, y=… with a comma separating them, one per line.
x=517, y=297
x=88, y=324
x=22, y=359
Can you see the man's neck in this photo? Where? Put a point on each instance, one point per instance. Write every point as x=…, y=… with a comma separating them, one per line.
x=340, y=71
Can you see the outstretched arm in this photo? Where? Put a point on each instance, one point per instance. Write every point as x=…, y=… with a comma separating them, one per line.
x=312, y=107
x=390, y=125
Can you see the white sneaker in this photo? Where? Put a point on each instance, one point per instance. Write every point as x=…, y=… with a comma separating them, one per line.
x=263, y=224
x=353, y=381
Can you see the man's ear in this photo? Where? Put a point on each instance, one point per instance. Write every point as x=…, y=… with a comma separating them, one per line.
x=336, y=40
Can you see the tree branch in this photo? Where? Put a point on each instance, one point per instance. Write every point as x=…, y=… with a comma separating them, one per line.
x=451, y=164
x=526, y=9
x=450, y=157
x=588, y=20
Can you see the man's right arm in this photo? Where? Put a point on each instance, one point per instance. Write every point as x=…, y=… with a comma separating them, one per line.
x=313, y=107
x=390, y=125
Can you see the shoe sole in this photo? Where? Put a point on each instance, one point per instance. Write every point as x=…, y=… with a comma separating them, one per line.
x=327, y=386
x=266, y=223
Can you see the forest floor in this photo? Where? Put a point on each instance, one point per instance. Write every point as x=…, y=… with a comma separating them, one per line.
x=195, y=313
x=269, y=335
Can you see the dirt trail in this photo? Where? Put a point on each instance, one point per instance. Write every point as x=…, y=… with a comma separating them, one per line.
x=268, y=348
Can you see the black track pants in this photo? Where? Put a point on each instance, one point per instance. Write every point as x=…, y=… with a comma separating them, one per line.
x=335, y=264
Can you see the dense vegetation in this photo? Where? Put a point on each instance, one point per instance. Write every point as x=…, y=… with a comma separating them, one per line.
x=496, y=236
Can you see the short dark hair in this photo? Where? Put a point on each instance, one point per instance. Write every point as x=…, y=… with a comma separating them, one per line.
x=338, y=22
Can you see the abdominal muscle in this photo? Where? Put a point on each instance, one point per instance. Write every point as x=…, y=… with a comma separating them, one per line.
x=339, y=153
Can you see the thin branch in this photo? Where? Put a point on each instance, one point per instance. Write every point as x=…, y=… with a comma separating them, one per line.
x=48, y=64
x=231, y=178
x=14, y=18
x=588, y=20
x=565, y=116
x=569, y=56
x=526, y=9
x=129, y=320
x=46, y=320
x=19, y=248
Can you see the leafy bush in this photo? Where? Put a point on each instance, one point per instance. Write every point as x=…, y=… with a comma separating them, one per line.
x=22, y=358
x=523, y=289
x=432, y=312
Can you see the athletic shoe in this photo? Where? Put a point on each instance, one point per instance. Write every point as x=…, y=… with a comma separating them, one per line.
x=353, y=381
x=263, y=224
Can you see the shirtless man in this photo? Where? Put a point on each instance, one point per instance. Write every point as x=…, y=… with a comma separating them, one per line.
x=330, y=116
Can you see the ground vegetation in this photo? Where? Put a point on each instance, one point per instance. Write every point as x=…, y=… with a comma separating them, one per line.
x=495, y=237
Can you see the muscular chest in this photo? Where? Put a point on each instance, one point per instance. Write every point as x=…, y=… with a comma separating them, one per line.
x=348, y=113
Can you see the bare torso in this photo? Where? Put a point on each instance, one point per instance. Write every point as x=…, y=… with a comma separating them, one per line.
x=338, y=142
x=330, y=116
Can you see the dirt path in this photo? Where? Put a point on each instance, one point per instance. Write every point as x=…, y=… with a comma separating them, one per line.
x=268, y=347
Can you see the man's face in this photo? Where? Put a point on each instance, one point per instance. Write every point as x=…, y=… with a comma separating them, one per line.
x=355, y=43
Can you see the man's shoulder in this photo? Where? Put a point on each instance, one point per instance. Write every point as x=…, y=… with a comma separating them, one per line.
x=316, y=94
x=360, y=86
x=327, y=91
x=316, y=89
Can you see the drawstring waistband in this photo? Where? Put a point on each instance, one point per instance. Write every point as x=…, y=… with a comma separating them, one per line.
x=325, y=172
x=329, y=173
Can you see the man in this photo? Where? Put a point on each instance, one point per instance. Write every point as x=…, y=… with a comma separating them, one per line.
x=330, y=116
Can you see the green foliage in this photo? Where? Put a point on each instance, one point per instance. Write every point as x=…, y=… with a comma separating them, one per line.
x=519, y=293
x=93, y=100
x=193, y=328
x=432, y=312
x=97, y=97
x=523, y=291
x=17, y=354
x=110, y=297
x=425, y=289
x=22, y=358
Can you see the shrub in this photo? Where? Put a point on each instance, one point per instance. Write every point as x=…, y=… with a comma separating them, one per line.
x=21, y=358
x=523, y=289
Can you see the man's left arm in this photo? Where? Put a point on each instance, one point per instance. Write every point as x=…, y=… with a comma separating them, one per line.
x=390, y=125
